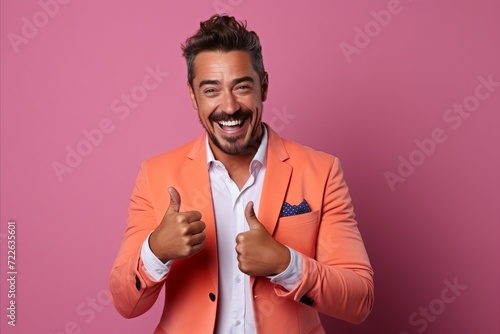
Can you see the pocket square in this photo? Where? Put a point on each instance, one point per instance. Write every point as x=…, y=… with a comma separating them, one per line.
x=292, y=210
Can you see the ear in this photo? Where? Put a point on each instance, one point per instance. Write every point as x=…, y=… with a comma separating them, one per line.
x=265, y=86
x=192, y=96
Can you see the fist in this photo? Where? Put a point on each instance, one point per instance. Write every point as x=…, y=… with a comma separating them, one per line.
x=180, y=234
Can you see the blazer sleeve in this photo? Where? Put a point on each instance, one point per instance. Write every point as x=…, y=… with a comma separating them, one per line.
x=338, y=281
x=133, y=291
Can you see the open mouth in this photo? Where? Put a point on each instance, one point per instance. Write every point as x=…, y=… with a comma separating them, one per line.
x=232, y=127
x=235, y=123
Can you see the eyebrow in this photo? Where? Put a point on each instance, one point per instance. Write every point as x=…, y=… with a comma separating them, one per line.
x=208, y=82
x=217, y=82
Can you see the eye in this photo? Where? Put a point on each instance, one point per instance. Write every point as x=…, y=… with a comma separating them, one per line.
x=210, y=91
x=243, y=88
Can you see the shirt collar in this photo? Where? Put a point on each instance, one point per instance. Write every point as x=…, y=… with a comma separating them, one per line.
x=258, y=160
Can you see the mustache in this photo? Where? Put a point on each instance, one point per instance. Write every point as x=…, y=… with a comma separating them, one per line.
x=221, y=116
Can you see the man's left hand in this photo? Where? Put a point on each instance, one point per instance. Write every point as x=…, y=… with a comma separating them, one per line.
x=258, y=253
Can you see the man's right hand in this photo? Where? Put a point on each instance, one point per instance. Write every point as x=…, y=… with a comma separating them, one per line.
x=180, y=234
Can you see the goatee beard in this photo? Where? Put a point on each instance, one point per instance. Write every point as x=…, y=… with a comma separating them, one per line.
x=231, y=146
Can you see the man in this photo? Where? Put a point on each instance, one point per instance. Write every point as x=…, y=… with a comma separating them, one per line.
x=193, y=227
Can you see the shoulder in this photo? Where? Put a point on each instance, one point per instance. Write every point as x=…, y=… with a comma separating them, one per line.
x=308, y=161
x=298, y=154
x=295, y=152
x=300, y=151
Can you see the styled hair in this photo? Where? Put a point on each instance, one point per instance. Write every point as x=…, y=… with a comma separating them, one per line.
x=223, y=33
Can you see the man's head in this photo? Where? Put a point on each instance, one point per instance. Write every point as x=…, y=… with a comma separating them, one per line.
x=223, y=33
x=227, y=83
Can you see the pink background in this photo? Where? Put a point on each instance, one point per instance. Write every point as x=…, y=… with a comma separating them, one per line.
x=368, y=108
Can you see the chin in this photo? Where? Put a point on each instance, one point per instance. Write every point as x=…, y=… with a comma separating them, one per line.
x=234, y=149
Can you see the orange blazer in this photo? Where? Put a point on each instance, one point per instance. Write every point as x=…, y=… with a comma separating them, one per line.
x=337, y=278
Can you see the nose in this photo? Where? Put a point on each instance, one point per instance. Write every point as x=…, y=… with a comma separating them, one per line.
x=229, y=105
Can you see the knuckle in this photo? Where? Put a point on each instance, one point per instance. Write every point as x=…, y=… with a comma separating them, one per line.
x=184, y=230
x=240, y=238
x=186, y=241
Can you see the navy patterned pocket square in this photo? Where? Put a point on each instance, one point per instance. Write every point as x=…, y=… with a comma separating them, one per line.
x=292, y=210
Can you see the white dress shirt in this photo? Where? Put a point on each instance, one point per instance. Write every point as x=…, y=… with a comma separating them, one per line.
x=235, y=310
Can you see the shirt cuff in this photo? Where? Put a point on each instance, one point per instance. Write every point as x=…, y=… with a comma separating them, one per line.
x=155, y=269
x=290, y=278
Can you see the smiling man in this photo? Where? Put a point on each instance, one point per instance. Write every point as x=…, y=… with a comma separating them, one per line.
x=271, y=241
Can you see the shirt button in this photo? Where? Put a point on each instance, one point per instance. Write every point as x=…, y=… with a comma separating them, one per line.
x=237, y=280
x=237, y=323
x=159, y=271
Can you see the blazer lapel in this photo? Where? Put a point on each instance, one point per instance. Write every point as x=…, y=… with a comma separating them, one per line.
x=196, y=172
x=276, y=181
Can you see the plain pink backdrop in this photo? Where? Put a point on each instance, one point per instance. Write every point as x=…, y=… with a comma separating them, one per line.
x=65, y=67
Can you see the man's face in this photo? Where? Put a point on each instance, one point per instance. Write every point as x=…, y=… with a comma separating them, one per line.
x=228, y=95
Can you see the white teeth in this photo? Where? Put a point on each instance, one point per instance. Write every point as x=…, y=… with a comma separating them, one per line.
x=230, y=123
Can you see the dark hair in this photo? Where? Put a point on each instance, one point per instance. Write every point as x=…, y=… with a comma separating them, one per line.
x=223, y=33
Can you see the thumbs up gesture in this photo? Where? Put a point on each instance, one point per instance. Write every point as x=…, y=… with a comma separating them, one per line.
x=180, y=234
x=258, y=253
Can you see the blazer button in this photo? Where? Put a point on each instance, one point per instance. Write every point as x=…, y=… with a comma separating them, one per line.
x=137, y=283
x=212, y=296
x=306, y=300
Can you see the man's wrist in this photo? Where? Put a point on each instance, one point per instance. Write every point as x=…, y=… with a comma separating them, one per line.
x=153, y=266
x=291, y=276
x=287, y=258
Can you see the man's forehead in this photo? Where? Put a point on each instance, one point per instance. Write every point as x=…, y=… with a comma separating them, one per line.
x=212, y=62
x=219, y=54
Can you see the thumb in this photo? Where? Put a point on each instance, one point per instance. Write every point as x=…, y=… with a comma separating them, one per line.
x=252, y=220
x=175, y=200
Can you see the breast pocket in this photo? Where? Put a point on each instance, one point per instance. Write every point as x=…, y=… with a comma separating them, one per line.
x=299, y=232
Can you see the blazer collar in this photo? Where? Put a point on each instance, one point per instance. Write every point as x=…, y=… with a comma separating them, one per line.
x=276, y=181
